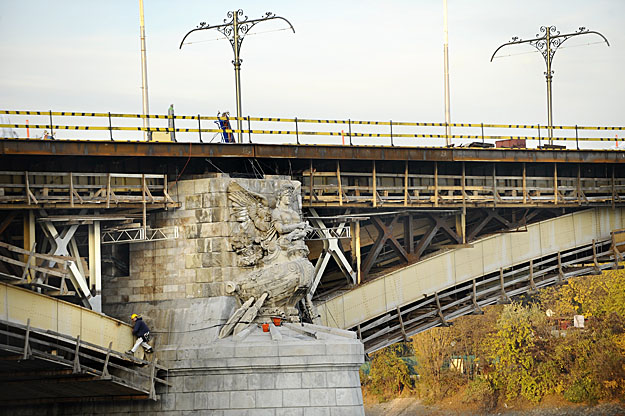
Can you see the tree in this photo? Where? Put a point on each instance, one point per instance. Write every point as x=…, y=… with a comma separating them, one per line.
x=516, y=353
x=432, y=349
x=469, y=333
x=389, y=373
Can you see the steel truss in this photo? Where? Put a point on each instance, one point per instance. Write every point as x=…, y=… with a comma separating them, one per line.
x=139, y=235
x=397, y=238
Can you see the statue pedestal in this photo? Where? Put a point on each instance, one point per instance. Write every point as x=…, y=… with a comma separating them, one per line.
x=291, y=370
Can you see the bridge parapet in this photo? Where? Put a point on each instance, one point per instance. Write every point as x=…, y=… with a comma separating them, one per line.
x=193, y=128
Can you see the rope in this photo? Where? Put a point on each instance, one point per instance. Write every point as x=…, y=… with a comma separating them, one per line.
x=182, y=171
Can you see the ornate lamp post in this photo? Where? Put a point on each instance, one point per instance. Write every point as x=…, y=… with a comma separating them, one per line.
x=235, y=30
x=547, y=44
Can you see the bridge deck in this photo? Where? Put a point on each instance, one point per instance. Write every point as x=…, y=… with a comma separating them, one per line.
x=123, y=149
x=458, y=282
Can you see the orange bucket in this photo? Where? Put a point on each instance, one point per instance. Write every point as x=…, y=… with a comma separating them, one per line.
x=276, y=320
x=265, y=327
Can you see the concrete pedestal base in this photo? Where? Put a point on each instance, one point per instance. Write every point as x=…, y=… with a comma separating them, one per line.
x=259, y=374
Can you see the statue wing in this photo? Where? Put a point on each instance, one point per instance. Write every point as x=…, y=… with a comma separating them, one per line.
x=247, y=206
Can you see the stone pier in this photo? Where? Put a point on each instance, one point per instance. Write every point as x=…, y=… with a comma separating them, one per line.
x=183, y=288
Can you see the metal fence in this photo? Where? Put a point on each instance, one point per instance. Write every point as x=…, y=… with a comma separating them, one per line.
x=55, y=125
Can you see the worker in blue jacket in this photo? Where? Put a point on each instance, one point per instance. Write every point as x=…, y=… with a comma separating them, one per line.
x=142, y=332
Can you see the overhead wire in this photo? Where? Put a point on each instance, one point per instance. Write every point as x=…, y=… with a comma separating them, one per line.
x=223, y=37
x=537, y=51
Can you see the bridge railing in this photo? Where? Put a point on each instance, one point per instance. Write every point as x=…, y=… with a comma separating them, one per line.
x=206, y=129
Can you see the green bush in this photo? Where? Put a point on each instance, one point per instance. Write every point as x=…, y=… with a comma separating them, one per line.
x=480, y=390
x=389, y=374
x=582, y=390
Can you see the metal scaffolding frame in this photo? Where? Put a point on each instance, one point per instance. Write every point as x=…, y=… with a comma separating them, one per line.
x=83, y=190
x=138, y=235
x=471, y=187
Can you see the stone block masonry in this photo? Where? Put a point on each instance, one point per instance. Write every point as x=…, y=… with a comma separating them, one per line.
x=296, y=375
x=196, y=264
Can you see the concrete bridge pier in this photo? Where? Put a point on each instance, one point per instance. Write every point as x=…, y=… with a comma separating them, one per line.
x=179, y=287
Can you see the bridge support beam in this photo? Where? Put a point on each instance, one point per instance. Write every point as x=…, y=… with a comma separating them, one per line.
x=64, y=244
x=533, y=288
x=503, y=298
x=331, y=249
x=476, y=307
x=440, y=311
x=401, y=323
x=355, y=247
x=95, y=264
x=461, y=226
x=29, y=229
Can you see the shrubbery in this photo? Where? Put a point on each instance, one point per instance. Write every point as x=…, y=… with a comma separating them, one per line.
x=389, y=374
x=516, y=351
x=480, y=391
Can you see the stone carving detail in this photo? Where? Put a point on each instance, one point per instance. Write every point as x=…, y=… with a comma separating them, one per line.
x=270, y=244
x=254, y=233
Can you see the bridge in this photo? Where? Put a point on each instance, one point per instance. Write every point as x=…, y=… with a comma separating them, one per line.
x=407, y=236
x=494, y=269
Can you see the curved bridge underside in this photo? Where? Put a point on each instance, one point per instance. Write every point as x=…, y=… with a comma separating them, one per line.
x=56, y=351
x=460, y=282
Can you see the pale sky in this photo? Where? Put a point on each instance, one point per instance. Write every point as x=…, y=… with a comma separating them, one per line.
x=364, y=60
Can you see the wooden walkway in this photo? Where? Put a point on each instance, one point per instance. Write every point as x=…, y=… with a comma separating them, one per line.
x=427, y=186
x=28, y=190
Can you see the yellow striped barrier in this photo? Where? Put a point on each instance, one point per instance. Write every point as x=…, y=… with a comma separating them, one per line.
x=349, y=134
x=302, y=120
x=301, y=133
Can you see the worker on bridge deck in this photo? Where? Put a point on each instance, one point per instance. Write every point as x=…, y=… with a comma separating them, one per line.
x=223, y=121
x=142, y=332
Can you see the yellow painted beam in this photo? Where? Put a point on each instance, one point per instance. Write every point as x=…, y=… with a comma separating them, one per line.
x=18, y=305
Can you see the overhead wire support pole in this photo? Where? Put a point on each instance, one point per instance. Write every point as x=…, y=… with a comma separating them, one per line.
x=144, y=76
x=235, y=30
x=547, y=44
x=446, y=57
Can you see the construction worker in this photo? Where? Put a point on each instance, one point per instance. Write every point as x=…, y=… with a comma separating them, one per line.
x=223, y=121
x=170, y=123
x=142, y=332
